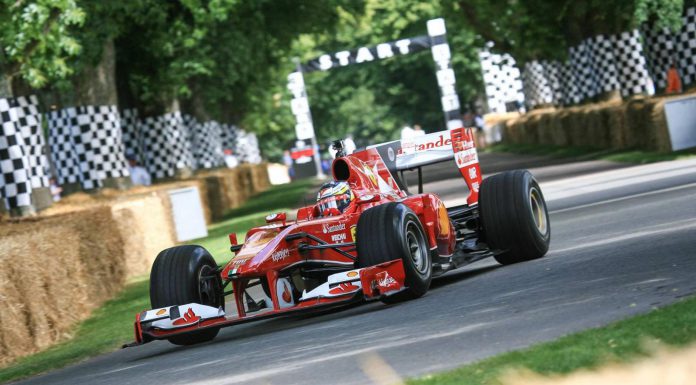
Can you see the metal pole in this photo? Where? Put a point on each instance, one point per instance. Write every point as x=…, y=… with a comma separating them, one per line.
x=313, y=140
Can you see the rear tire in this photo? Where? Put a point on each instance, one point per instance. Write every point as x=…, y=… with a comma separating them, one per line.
x=400, y=235
x=175, y=279
x=514, y=216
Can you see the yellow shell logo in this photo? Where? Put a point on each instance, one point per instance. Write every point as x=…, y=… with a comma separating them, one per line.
x=161, y=311
x=352, y=274
x=370, y=174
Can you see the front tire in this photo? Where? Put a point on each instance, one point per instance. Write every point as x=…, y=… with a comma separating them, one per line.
x=401, y=236
x=186, y=274
x=514, y=216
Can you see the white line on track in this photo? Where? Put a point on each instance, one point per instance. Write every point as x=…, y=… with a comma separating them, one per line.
x=627, y=197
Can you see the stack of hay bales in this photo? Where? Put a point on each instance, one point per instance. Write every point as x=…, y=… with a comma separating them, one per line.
x=61, y=265
x=55, y=271
x=638, y=123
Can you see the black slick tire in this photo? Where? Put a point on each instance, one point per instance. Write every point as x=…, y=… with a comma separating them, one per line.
x=514, y=217
x=390, y=231
x=179, y=276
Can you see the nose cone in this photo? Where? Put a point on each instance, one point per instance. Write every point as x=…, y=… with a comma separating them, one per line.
x=264, y=250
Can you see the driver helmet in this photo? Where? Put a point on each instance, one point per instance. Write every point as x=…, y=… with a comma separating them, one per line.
x=334, y=195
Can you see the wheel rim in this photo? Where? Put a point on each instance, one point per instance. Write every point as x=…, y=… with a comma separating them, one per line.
x=417, y=249
x=536, y=203
x=207, y=288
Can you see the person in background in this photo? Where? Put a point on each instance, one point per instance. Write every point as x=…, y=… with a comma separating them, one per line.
x=287, y=161
x=417, y=130
x=55, y=189
x=230, y=160
x=406, y=133
x=138, y=173
x=674, y=85
x=480, y=133
x=349, y=144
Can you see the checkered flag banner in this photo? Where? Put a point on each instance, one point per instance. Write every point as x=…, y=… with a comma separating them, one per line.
x=502, y=80
x=686, y=48
x=14, y=166
x=131, y=136
x=166, y=144
x=247, y=148
x=207, y=145
x=86, y=145
x=23, y=163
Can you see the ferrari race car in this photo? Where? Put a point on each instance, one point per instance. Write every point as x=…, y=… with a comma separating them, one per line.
x=366, y=238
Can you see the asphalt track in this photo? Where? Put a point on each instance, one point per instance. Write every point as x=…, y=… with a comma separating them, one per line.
x=623, y=242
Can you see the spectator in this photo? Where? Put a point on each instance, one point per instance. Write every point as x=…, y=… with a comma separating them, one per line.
x=349, y=145
x=138, y=173
x=406, y=133
x=417, y=130
x=287, y=161
x=230, y=160
x=55, y=189
x=674, y=85
x=480, y=133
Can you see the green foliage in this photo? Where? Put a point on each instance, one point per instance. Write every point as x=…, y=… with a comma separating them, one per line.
x=36, y=39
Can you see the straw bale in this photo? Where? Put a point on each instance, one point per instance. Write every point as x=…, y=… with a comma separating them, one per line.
x=146, y=226
x=55, y=271
x=637, y=123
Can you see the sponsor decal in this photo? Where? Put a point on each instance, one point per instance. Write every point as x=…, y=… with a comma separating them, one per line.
x=353, y=231
x=428, y=142
x=239, y=261
x=189, y=318
x=333, y=228
x=475, y=186
x=352, y=274
x=386, y=282
x=390, y=154
x=466, y=158
x=339, y=237
x=472, y=172
x=161, y=311
x=280, y=255
x=343, y=288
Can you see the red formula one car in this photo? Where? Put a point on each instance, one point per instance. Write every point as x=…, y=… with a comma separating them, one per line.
x=366, y=238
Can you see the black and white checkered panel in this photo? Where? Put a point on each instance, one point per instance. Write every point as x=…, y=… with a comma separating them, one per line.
x=247, y=148
x=158, y=151
x=131, y=136
x=207, y=145
x=570, y=91
x=99, y=145
x=631, y=64
x=228, y=134
x=686, y=48
x=64, y=155
x=583, y=66
x=29, y=121
x=604, y=64
x=178, y=135
x=536, y=86
x=15, y=181
x=552, y=70
x=502, y=80
x=660, y=50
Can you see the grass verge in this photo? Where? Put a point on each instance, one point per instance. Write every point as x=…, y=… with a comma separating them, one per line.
x=111, y=325
x=621, y=341
x=587, y=153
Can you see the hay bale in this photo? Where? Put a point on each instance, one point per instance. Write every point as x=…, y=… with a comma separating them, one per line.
x=55, y=271
x=146, y=226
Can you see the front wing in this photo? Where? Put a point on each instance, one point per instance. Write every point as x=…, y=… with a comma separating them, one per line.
x=340, y=289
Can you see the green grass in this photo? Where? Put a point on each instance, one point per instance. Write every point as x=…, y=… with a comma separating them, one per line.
x=618, y=342
x=587, y=153
x=111, y=325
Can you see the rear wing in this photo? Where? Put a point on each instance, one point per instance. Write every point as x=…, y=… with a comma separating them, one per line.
x=437, y=147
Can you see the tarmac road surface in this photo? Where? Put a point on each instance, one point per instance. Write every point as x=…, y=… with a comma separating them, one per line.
x=622, y=243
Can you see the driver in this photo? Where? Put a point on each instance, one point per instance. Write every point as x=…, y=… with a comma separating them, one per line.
x=334, y=198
